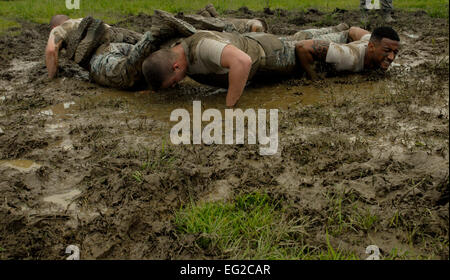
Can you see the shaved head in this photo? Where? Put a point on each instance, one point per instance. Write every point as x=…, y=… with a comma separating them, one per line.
x=58, y=20
x=158, y=67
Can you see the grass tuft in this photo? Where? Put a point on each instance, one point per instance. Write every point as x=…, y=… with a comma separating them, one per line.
x=252, y=227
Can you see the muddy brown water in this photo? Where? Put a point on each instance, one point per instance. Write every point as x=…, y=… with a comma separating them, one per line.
x=91, y=166
x=151, y=104
x=159, y=106
x=20, y=164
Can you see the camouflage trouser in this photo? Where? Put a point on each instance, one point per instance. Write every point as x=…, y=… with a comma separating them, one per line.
x=331, y=34
x=386, y=5
x=246, y=25
x=283, y=58
x=278, y=52
x=119, y=65
x=120, y=35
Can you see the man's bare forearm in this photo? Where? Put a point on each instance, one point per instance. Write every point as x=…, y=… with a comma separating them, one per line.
x=308, y=52
x=51, y=61
x=237, y=78
x=239, y=65
x=51, y=57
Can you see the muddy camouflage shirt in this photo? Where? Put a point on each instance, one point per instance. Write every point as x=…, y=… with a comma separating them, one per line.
x=348, y=57
x=204, y=50
x=60, y=32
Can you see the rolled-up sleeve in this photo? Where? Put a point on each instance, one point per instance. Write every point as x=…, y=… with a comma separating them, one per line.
x=210, y=54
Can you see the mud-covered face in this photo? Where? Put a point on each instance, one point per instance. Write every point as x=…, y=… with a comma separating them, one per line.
x=176, y=77
x=384, y=52
x=172, y=81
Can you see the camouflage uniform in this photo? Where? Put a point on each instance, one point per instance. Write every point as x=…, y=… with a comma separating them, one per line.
x=121, y=35
x=269, y=53
x=336, y=34
x=119, y=65
x=279, y=52
x=280, y=55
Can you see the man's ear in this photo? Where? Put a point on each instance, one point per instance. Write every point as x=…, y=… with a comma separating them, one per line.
x=176, y=66
x=371, y=46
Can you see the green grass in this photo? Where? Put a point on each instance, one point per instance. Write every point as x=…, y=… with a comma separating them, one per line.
x=251, y=227
x=335, y=254
x=7, y=24
x=154, y=161
x=111, y=11
x=344, y=214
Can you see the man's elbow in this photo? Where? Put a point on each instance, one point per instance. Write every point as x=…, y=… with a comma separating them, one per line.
x=352, y=32
x=303, y=52
x=50, y=52
x=245, y=62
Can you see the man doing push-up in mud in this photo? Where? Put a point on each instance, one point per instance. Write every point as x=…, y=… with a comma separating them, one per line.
x=231, y=59
x=366, y=51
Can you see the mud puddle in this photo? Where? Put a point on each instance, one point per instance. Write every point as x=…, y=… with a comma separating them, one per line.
x=20, y=164
x=158, y=106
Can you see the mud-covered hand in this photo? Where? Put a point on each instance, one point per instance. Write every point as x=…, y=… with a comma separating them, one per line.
x=239, y=65
x=51, y=56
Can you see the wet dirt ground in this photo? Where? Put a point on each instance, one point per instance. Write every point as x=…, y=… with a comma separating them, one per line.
x=91, y=166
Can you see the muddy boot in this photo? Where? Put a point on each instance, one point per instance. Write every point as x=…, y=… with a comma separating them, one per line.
x=166, y=26
x=206, y=23
x=212, y=11
x=89, y=44
x=74, y=38
x=204, y=13
x=342, y=27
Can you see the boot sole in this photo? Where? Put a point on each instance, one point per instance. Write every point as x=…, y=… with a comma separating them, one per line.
x=184, y=28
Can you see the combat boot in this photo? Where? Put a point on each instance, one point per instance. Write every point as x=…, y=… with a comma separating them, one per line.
x=90, y=43
x=165, y=26
x=205, y=23
x=342, y=27
x=212, y=11
x=204, y=13
x=181, y=26
x=74, y=38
